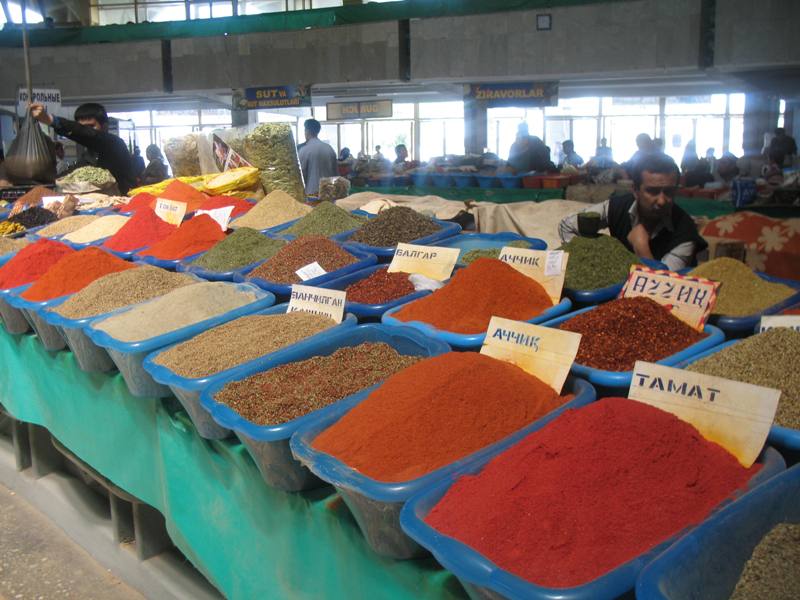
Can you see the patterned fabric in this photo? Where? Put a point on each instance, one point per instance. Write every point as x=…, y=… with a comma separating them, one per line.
x=773, y=245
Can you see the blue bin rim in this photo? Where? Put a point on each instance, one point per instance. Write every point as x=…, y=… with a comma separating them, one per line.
x=782, y=437
x=15, y=299
x=230, y=419
x=363, y=259
x=472, y=340
x=447, y=230
x=101, y=338
x=608, y=292
x=167, y=376
x=170, y=265
x=368, y=310
x=332, y=470
x=618, y=379
x=502, y=236
x=471, y=566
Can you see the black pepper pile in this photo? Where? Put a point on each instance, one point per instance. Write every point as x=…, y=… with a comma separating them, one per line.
x=33, y=217
x=398, y=224
x=296, y=389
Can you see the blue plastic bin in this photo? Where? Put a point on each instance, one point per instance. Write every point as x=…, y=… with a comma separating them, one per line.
x=483, y=579
x=464, y=341
x=484, y=241
x=385, y=253
x=582, y=298
x=708, y=561
x=169, y=265
x=616, y=383
x=368, y=311
x=442, y=180
x=128, y=356
x=269, y=444
x=510, y=181
x=376, y=505
x=420, y=179
x=283, y=290
x=464, y=180
x=13, y=318
x=487, y=181
x=50, y=336
x=781, y=437
x=188, y=390
x=129, y=255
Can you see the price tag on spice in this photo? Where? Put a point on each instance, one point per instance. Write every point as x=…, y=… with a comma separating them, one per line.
x=544, y=352
x=735, y=415
x=310, y=271
x=545, y=267
x=789, y=321
x=221, y=215
x=431, y=261
x=690, y=299
x=318, y=301
x=170, y=211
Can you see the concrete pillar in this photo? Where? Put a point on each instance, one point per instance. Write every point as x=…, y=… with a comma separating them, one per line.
x=475, y=126
x=240, y=117
x=760, y=117
x=791, y=118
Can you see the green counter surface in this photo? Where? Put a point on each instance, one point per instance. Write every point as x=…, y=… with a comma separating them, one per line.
x=249, y=540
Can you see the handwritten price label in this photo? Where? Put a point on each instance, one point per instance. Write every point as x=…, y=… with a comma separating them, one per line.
x=434, y=262
x=790, y=321
x=171, y=211
x=318, y=301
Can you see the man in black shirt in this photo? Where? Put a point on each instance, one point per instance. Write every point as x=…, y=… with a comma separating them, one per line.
x=90, y=129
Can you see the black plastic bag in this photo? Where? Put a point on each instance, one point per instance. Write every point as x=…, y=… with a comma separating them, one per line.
x=31, y=157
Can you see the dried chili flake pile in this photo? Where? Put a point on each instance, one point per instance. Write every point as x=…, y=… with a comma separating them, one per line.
x=617, y=334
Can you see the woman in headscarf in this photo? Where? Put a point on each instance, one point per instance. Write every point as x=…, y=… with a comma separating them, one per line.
x=156, y=170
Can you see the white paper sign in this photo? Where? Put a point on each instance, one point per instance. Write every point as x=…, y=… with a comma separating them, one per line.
x=735, y=415
x=310, y=271
x=50, y=97
x=47, y=201
x=790, y=321
x=171, y=211
x=318, y=301
x=536, y=263
x=553, y=262
x=221, y=215
x=432, y=261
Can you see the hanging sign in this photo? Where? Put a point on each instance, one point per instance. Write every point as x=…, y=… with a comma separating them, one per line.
x=690, y=299
x=431, y=261
x=547, y=267
x=171, y=211
x=277, y=96
x=518, y=94
x=790, y=321
x=318, y=301
x=50, y=98
x=735, y=415
x=373, y=109
x=543, y=352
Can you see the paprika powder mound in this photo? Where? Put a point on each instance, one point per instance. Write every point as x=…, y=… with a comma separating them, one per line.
x=138, y=202
x=486, y=288
x=183, y=192
x=144, y=228
x=589, y=491
x=617, y=334
x=380, y=287
x=74, y=272
x=32, y=262
x=435, y=412
x=192, y=237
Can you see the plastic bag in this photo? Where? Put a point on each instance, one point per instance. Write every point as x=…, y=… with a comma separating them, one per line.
x=183, y=154
x=31, y=157
x=270, y=147
x=235, y=180
x=333, y=188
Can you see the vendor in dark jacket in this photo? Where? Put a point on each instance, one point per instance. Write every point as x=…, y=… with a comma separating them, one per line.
x=90, y=129
x=647, y=221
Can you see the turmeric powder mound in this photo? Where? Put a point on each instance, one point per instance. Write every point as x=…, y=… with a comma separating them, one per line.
x=486, y=288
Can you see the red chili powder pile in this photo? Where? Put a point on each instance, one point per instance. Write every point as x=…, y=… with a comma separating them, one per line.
x=74, y=272
x=138, y=202
x=591, y=490
x=617, y=334
x=192, y=237
x=435, y=412
x=144, y=228
x=380, y=287
x=32, y=262
x=239, y=206
x=486, y=288
x=183, y=192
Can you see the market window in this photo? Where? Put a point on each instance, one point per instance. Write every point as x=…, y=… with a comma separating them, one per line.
x=15, y=12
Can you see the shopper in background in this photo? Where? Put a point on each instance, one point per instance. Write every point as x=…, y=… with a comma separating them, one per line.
x=402, y=154
x=378, y=155
x=156, y=170
x=644, y=147
x=690, y=158
x=571, y=157
x=61, y=164
x=647, y=221
x=317, y=159
x=782, y=147
x=90, y=129
x=726, y=168
x=528, y=153
x=138, y=162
